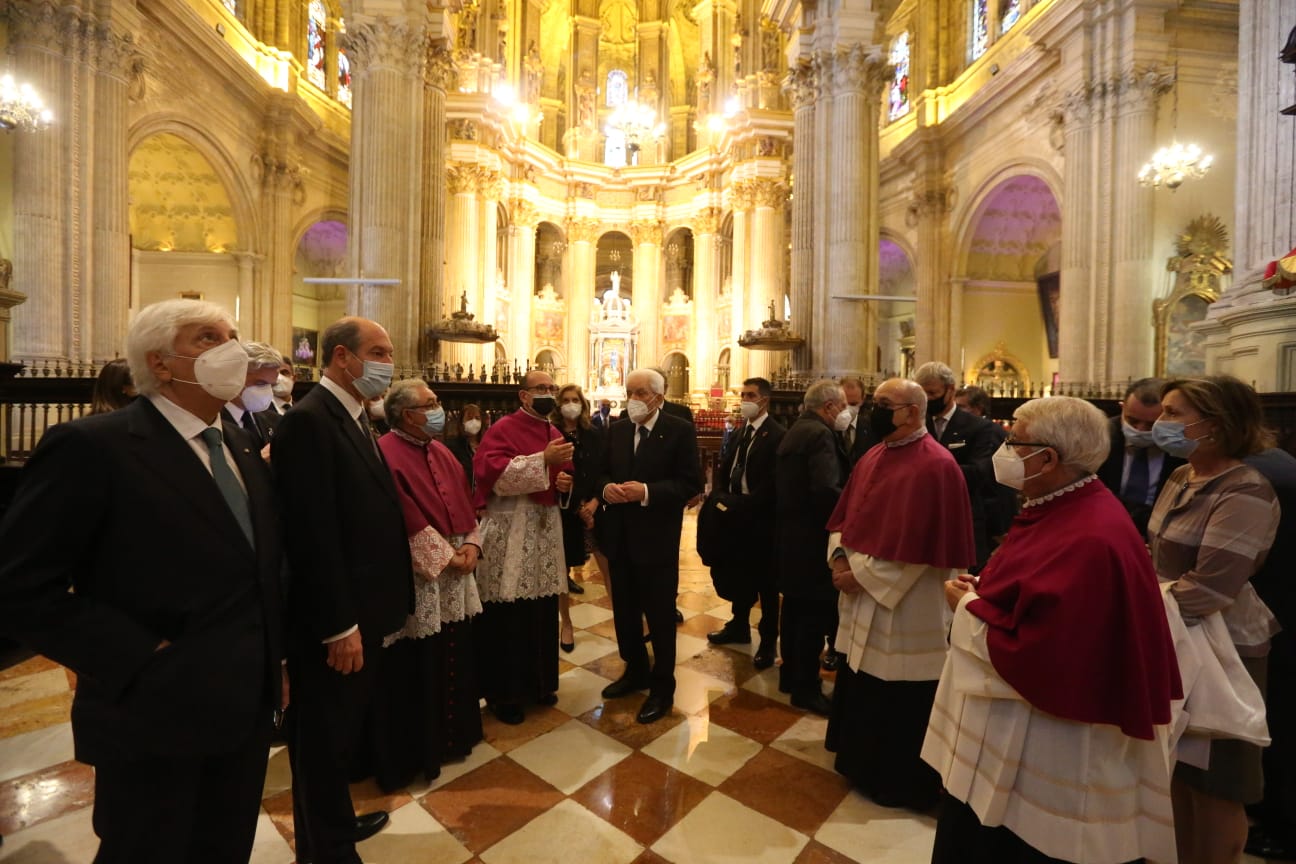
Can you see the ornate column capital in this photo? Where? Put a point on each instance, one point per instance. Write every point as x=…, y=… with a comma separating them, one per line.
x=854, y=68
x=933, y=202
x=117, y=55
x=523, y=213
x=38, y=24
x=583, y=230
x=1140, y=88
x=384, y=43
x=742, y=195
x=460, y=178
x=707, y=220
x=439, y=69
x=801, y=84
x=646, y=231
x=769, y=192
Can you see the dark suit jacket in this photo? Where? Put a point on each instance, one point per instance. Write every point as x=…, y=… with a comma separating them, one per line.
x=810, y=470
x=1273, y=582
x=972, y=442
x=266, y=422
x=863, y=438
x=740, y=533
x=346, y=540
x=119, y=508
x=667, y=462
x=1114, y=466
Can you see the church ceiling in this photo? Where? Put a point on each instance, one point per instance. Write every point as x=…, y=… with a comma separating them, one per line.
x=1014, y=228
x=177, y=203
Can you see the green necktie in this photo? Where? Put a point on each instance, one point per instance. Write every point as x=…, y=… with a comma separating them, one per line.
x=227, y=483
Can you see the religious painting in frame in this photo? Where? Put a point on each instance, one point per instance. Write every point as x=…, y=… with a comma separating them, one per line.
x=549, y=327
x=1050, y=294
x=675, y=329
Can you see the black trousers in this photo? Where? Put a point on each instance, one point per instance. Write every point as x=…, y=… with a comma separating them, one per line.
x=806, y=617
x=181, y=810
x=962, y=839
x=742, y=585
x=646, y=590
x=516, y=648
x=1277, y=812
x=327, y=720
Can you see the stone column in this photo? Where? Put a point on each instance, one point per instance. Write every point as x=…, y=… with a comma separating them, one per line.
x=267, y=313
x=247, y=288
x=521, y=277
x=956, y=358
x=852, y=191
x=386, y=208
x=1075, y=345
x=766, y=274
x=490, y=189
x=578, y=293
x=932, y=317
x=800, y=85
x=706, y=287
x=434, y=294
x=647, y=237
x=740, y=199
x=463, y=247
x=1134, y=271
x=110, y=216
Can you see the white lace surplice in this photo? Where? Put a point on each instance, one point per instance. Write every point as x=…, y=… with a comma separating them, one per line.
x=522, y=546
x=1076, y=791
x=895, y=628
x=439, y=597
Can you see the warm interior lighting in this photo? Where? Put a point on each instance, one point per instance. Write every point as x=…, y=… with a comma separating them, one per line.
x=21, y=107
x=1171, y=166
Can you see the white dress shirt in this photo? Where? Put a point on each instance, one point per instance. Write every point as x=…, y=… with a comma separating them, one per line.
x=191, y=428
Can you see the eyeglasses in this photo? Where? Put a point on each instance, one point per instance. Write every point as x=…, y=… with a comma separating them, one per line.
x=428, y=407
x=1013, y=442
x=542, y=390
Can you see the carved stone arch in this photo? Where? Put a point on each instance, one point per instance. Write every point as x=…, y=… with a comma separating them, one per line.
x=982, y=374
x=967, y=210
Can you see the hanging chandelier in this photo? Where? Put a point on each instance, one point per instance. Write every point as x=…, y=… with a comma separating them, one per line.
x=637, y=122
x=21, y=107
x=1171, y=166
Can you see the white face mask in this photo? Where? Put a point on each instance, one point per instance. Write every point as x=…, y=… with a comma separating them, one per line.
x=377, y=411
x=853, y=409
x=282, y=386
x=749, y=410
x=571, y=410
x=1010, y=469
x=257, y=398
x=843, y=420
x=637, y=410
x=220, y=371
x=472, y=427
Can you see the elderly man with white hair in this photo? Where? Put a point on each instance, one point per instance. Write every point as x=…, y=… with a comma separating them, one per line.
x=901, y=528
x=650, y=471
x=1050, y=726
x=250, y=409
x=161, y=594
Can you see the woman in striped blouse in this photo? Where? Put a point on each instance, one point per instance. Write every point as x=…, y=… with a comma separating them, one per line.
x=1210, y=531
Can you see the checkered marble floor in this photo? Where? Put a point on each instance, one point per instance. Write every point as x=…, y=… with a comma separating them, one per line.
x=735, y=774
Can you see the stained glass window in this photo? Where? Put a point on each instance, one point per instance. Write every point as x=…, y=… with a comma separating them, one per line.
x=315, y=26
x=618, y=88
x=344, y=78
x=899, y=90
x=1011, y=10
x=980, y=28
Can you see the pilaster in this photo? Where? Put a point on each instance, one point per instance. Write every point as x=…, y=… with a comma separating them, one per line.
x=802, y=90
x=706, y=287
x=647, y=237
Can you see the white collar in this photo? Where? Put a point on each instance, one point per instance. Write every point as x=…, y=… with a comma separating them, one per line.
x=348, y=401
x=651, y=422
x=187, y=424
x=758, y=422
x=950, y=413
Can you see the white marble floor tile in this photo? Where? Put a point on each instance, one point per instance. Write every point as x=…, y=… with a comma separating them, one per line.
x=804, y=739
x=69, y=839
x=687, y=646
x=722, y=831
x=269, y=846
x=565, y=834
x=413, y=837
x=480, y=755
x=25, y=688
x=866, y=832
x=765, y=683
x=588, y=614
x=589, y=647
x=704, y=750
x=723, y=611
x=278, y=772
x=32, y=751
x=579, y=690
x=570, y=756
x=694, y=690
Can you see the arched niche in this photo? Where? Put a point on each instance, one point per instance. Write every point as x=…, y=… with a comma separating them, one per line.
x=551, y=360
x=678, y=252
x=676, y=364
x=551, y=249
x=321, y=252
x=614, y=252
x=895, y=318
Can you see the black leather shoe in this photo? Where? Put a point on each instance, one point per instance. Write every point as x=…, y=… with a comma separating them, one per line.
x=764, y=657
x=831, y=661
x=625, y=685
x=815, y=701
x=654, y=708
x=548, y=699
x=730, y=635
x=574, y=587
x=567, y=647
x=679, y=617
x=370, y=824
x=507, y=712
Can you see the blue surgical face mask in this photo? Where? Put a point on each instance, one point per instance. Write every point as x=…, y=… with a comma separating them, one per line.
x=1169, y=436
x=374, y=380
x=434, y=421
x=1137, y=437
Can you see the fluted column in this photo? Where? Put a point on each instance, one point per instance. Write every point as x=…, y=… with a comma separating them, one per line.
x=521, y=277
x=110, y=215
x=933, y=316
x=766, y=280
x=956, y=358
x=267, y=312
x=247, y=282
x=578, y=292
x=647, y=237
x=434, y=294
x=740, y=198
x=386, y=209
x=800, y=86
x=489, y=193
x=1075, y=347
x=1134, y=271
x=820, y=203
x=706, y=287
x=463, y=245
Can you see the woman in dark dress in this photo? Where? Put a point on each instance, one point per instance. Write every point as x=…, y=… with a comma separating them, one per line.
x=579, y=505
x=463, y=434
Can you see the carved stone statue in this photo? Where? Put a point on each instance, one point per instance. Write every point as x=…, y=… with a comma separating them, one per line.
x=534, y=70
x=705, y=75
x=6, y=273
x=613, y=305
x=769, y=49
x=468, y=28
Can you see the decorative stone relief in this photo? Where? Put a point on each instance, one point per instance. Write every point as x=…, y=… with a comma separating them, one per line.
x=646, y=231
x=385, y=44
x=583, y=230
x=439, y=70
x=801, y=84
x=707, y=220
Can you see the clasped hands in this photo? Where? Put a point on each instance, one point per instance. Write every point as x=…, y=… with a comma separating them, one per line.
x=956, y=588
x=464, y=559
x=629, y=492
x=843, y=578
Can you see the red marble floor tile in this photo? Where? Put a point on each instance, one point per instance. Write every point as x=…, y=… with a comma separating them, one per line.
x=697, y=601
x=817, y=853
x=36, y=714
x=605, y=601
x=29, y=666
x=700, y=625
x=280, y=810
x=538, y=720
x=642, y=797
x=650, y=857
x=616, y=719
x=367, y=797
x=489, y=803
x=610, y=666
x=753, y=716
x=788, y=790
x=42, y=795
x=606, y=629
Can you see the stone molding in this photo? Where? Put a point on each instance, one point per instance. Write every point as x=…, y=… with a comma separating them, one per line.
x=1135, y=89
x=440, y=70
x=801, y=84
x=707, y=220
x=523, y=213
x=854, y=69
x=647, y=231
x=583, y=230
x=382, y=43
x=462, y=178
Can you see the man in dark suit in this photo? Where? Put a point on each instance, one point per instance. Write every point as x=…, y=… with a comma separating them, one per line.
x=650, y=471
x=352, y=581
x=283, y=388
x=855, y=439
x=810, y=471
x=970, y=439
x=253, y=409
x=743, y=569
x=1135, y=468
x=172, y=624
